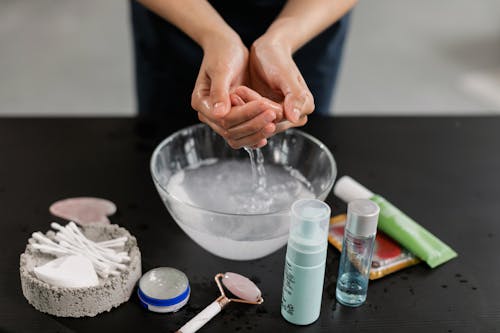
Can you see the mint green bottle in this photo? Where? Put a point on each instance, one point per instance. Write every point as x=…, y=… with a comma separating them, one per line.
x=305, y=261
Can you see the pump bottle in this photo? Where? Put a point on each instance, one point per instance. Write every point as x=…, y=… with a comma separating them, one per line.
x=305, y=261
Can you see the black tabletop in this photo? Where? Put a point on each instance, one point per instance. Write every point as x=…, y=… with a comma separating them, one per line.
x=443, y=172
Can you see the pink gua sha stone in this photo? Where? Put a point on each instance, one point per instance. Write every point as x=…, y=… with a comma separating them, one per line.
x=241, y=287
x=84, y=210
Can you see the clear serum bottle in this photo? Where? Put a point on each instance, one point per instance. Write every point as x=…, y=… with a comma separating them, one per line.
x=357, y=251
x=305, y=261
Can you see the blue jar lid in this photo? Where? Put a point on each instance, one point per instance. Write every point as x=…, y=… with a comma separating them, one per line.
x=163, y=289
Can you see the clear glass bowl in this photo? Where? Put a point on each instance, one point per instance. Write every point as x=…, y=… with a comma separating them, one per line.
x=238, y=236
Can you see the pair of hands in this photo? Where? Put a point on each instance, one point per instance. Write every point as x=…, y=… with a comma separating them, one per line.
x=248, y=96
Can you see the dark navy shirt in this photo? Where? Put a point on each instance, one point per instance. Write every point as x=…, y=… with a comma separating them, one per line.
x=167, y=61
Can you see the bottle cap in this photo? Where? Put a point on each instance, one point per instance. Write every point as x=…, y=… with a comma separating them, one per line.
x=362, y=217
x=348, y=190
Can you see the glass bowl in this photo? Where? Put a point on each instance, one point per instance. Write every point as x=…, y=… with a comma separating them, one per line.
x=238, y=236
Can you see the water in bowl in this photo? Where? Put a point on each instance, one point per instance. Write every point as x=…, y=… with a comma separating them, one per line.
x=239, y=188
x=227, y=186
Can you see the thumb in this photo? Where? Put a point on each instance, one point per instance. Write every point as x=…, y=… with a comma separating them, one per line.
x=293, y=105
x=298, y=99
x=219, y=94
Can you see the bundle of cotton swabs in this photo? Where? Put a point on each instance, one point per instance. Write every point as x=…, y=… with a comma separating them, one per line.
x=69, y=240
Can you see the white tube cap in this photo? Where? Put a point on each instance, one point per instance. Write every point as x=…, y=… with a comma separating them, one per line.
x=362, y=217
x=348, y=190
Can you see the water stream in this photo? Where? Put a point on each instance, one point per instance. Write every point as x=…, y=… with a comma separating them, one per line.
x=258, y=169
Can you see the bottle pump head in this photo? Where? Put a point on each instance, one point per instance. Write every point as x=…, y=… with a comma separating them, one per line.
x=308, y=238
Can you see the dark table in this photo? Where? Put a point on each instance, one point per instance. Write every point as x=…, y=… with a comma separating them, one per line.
x=444, y=172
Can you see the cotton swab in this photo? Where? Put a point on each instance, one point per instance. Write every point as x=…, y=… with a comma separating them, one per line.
x=69, y=240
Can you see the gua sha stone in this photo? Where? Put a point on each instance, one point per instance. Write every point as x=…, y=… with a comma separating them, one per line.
x=241, y=286
x=74, y=271
x=84, y=210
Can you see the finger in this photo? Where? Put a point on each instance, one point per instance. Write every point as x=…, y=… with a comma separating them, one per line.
x=260, y=144
x=284, y=125
x=219, y=94
x=240, y=114
x=297, y=105
x=252, y=126
x=276, y=107
x=254, y=139
x=236, y=100
x=257, y=141
x=247, y=94
x=298, y=99
x=219, y=130
x=243, y=113
x=200, y=96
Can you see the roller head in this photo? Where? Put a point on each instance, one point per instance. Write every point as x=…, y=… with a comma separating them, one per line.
x=241, y=287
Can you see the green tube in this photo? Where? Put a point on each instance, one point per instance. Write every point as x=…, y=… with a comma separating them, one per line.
x=412, y=235
x=398, y=225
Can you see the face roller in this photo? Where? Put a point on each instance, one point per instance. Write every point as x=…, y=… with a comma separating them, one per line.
x=238, y=285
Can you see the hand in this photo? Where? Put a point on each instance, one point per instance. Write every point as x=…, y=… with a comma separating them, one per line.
x=240, y=132
x=224, y=66
x=274, y=75
x=250, y=121
x=244, y=95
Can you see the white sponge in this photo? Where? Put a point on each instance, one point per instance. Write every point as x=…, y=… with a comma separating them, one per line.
x=74, y=271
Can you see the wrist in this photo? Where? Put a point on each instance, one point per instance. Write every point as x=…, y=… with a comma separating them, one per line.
x=211, y=37
x=282, y=33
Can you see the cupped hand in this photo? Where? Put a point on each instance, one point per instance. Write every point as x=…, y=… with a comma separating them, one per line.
x=252, y=118
x=246, y=118
x=224, y=66
x=247, y=124
x=274, y=74
x=245, y=96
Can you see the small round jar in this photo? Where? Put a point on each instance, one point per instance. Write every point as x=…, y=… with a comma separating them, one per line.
x=164, y=289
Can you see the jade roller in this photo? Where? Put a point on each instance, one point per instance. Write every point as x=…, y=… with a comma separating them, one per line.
x=240, y=286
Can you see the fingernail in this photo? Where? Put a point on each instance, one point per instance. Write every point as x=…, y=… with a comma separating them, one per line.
x=296, y=114
x=270, y=117
x=269, y=129
x=260, y=144
x=218, y=108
